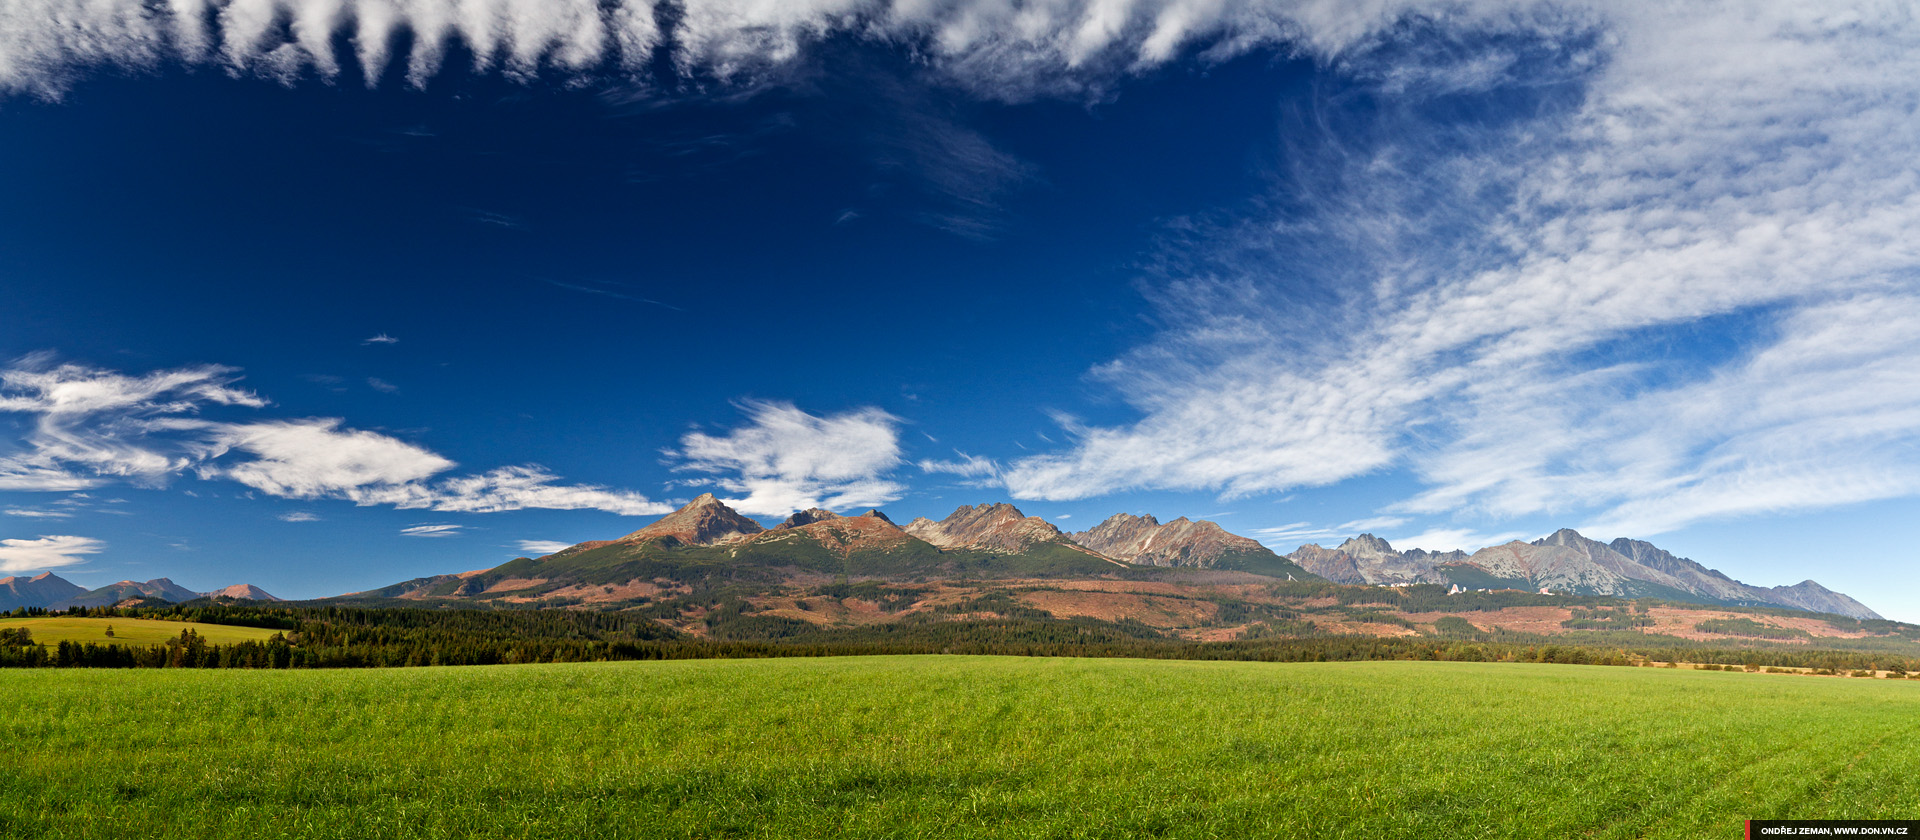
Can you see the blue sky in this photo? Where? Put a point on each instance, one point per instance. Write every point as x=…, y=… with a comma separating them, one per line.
x=325, y=295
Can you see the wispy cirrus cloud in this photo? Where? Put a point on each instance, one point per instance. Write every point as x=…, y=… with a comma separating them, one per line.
x=431, y=531
x=785, y=459
x=1676, y=289
x=963, y=465
x=93, y=427
x=996, y=48
x=47, y=552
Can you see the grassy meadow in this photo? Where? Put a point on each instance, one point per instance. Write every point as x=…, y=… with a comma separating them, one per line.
x=947, y=747
x=52, y=630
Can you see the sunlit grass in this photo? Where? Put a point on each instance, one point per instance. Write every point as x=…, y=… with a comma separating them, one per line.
x=947, y=747
x=129, y=631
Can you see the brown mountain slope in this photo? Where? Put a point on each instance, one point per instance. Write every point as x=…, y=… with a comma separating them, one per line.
x=994, y=527
x=842, y=535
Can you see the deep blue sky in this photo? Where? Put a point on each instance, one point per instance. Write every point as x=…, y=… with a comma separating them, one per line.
x=1449, y=279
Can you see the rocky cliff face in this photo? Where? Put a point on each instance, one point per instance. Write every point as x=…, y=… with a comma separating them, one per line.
x=805, y=518
x=703, y=521
x=1333, y=564
x=1563, y=562
x=1182, y=542
x=995, y=527
x=38, y=591
x=1365, y=559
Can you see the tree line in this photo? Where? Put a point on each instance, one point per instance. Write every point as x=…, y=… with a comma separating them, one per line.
x=358, y=637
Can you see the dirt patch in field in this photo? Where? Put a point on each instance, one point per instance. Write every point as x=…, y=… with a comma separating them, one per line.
x=512, y=584
x=1363, y=628
x=594, y=593
x=1679, y=621
x=1150, y=610
x=1517, y=619
x=1216, y=634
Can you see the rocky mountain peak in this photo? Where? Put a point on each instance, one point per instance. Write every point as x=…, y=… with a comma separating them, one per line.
x=875, y=513
x=1570, y=538
x=1367, y=546
x=703, y=521
x=1181, y=542
x=806, y=517
x=996, y=527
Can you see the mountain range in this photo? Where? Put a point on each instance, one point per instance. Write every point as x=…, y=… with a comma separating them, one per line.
x=50, y=591
x=706, y=544
x=1565, y=562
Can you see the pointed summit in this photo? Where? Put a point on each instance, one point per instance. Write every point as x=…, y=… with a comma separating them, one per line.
x=1568, y=537
x=875, y=513
x=703, y=521
x=1368, y=546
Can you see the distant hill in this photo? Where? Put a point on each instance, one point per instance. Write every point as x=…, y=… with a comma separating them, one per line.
x=50, y=591
x=1566, y=562
x=37, y=591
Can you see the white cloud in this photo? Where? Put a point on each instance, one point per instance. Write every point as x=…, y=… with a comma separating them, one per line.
x=504, y=489
x=35, y=513
x=92, y=425
x=382, y=385
x=47, y=552
x=382, y=338
x=540, y=548
x=95, y=426
x=786, y=459
x=299, y=516
x=306, y=459
x=1524, y=315
x=431, y=531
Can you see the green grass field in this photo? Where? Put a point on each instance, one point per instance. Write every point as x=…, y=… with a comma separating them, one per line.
x=130, y=631
x=948, y=747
